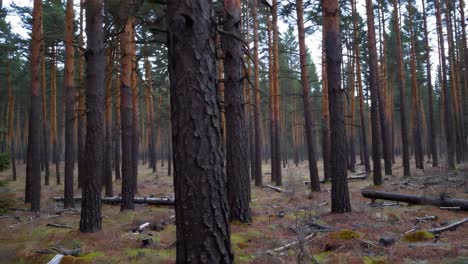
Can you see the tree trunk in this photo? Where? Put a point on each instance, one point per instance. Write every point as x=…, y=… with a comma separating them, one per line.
x=272, y=102
x=117, y=130
x=276, y=123
x=445, y=89
x=257, y=110
x=238, y=184
x=460, y=143
x=149, y=89
x=107, y=176
x=431, y=128
x=202, y=217
x=94, y=150
x=417, y=141
x=45, y=141
x=135, y=112
x=314, y=177
x=69, y=86
x=33, y=181
x=402, y=87
x=81, y=106
x=128, y=179
x=11, y=121
x=362, y=118
x=326, y=151
x=374, y=89
x=331, y=27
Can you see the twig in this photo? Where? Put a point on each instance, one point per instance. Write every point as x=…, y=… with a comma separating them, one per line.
x=59, y=226
x=449, y=227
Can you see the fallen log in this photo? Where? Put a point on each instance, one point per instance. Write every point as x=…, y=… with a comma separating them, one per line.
x=137, y=200
x=415, y=199
x=448, y=227
x=357, y=177
x=277, y=188
x=56, y=259
x=140, y=228
x=59, y=226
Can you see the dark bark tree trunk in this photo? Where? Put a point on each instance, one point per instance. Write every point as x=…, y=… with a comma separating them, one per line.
x=53, y=118
x=237, y=172
x=386, y=147
x=276, y=123
x=257, y=110
x=126, y=116
x=202, y=217
x=11, y=122
x=445, y=89
x=107, y=176
x=135, y=113
x=326, y=151
x=33, y=192
x=458, y=132
x=331, y=26
x=45, y=135
x=117, y=131
x=374, y=94
x=272, y=102
x=91, y=219
x=69, y=86
x=152, y=154
x=464, y=44
x=81, y=106
x=313, y=170
x=401, y=85
x=417, y=141
x=431, y=128
x=362, y=117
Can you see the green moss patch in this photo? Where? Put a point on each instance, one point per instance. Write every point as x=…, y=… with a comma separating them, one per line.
x=322, y=257
x=345, y=234
x=418, y=236
x=374, y=260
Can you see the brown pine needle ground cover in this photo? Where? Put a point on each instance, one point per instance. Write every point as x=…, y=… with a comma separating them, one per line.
x=279, y=219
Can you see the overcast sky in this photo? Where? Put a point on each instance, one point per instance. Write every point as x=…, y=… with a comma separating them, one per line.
x=313, y=41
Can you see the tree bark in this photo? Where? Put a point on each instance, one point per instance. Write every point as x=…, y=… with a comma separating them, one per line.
x=45, y=141
x=34, y=149
x=326, y=151
x=417, y=141
x=94, y=150
x=276, y=123
x=202, y=217
x=257, y=110
x=331, y=26
x=81, y=105
x=445, y=89
x=431, y=128
x=135, y=113
x=364, y=152
x=374, y=90
x=313, y=170
x=126, y=116
x=11, y=121
x=402, y=87
x=107, y=176
x=272, y=102
x=69, y=86
x=238, y=183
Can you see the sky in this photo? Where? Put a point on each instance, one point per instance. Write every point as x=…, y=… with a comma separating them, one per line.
x=313, y=41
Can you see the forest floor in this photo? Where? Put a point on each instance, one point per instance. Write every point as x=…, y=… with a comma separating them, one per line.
x=278, y=219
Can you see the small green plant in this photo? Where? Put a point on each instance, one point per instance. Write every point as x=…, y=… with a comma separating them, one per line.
x=4, y=161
